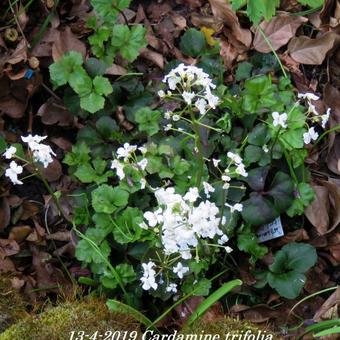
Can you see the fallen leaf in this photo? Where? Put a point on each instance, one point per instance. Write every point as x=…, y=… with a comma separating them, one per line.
x=335, y=252
x=65, y=42
x=8, y=248
x=318, y=211
x=53, y=172
x=312, y=51
x=228, y=53
x=223, y=10
x=333, y=300
x=54, y=112
x=116, y=70
x=279, y=30
x=153, y=56
x=19, y=233
x=334, y=198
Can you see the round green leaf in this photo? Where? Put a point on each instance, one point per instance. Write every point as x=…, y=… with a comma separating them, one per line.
x=192, y=42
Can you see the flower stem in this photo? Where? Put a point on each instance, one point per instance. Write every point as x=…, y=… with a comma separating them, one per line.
x=199, y=148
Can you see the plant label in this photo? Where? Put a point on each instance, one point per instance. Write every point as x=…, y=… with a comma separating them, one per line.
x=270, y=231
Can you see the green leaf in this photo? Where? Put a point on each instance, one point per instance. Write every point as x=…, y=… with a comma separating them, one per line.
x=102, y=85
x=125, y=272
x=3, y=144
x=92, y=103
x=85, y=252
x=127, y=227
x=128, y=42
x=107, y=126
x=305, y=197
x=61, y=70
x=259, y=135
x=212, y=299
x=294, y=256
x=257, y=210
x=78, y=155
x=257, y=178
x=286, y=273
x=288, y=285
x=247, y=241
x=252, y=154
x=192, y=42
x=243, y=70
x=282, y=190
x=312, y=3
x=109, y=9
x=95, y=67
x=147, y=120
x=292, y=139
x=200, y=287
x=107, y=199
x=261, y=8
x=80, y=82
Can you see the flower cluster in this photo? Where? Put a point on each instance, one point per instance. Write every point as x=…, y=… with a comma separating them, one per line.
x=181, y=223
x=128, y=155
x=194, y=87
x=41, y=152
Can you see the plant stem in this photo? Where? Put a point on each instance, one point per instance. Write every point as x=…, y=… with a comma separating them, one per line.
x=198, y=144
x=335, y=128
x=273, y=50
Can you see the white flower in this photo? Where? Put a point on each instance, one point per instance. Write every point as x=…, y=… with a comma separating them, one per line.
x=143, y=150
x=13, y=171
x=225, y=178
x=153, y=218
x=143, y=163
x=224, y=239
x=212, y=100
x=33, y=140
x=8, y=154
x=125, y=151
x=312, y=109
x=234, y=157
x=226, y=186
x=325, y=118
x=167, y=114
x=172, y=288
x=208, y=189
x=142, y=183
x=168, y=127
x=188, y=97
x=235, y=207
x=201, y=105
x=228, y=249
x=308, y=96
x=119, y=168
x=280, y=119
x=241, y=170
x=176, y=118
x=191, y=195
x=265, y=148
x=180, y=270
x=149, y=282
x=143, y=225
x=161, y=93
x=216, y=162
x=310, y=135
x=43, y=154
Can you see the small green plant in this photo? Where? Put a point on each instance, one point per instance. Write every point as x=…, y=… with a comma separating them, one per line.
x=286, y=274
x=107, y=40
x=258, y=9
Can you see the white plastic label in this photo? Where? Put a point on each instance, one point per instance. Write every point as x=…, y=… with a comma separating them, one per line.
x=270, y=231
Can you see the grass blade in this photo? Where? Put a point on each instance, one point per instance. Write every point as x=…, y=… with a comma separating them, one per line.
x=211, y=299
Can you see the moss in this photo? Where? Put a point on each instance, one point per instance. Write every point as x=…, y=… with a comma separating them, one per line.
x=58, y=322
x=225, y=326
x=12, y=305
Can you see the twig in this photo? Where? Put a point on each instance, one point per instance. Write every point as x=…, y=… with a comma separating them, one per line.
x=18, y=24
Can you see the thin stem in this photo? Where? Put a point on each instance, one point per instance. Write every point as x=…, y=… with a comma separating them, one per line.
x=335, y=128
x=273, y=50
x=199, y=148
x=291, y=170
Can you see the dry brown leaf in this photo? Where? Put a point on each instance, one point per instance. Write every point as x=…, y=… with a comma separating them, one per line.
x=116, y=70
x=334, y=197
x=65, y=42
x=279, y=30
x=54, y=112
x=312, y=51
x=333, y=300
x=53, y=172
x=8, y=248
x=318, y=211
x=222, y=10
x=19, y=233
x=228, y=53
x=153, y=56
x=256, y=314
